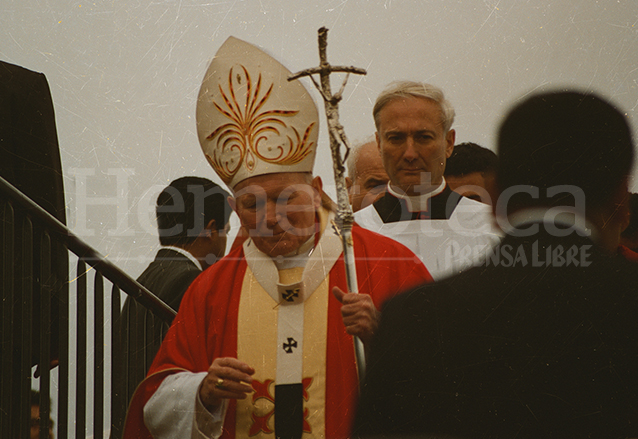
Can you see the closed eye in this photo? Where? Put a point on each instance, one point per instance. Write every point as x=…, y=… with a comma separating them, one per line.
x=373, y=183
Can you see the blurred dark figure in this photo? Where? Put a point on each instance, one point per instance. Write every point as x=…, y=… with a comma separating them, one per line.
x=30, y=161
x=541, y=340
x=471, y=171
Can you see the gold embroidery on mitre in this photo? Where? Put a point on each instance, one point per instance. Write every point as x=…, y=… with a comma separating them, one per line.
x=249, y=126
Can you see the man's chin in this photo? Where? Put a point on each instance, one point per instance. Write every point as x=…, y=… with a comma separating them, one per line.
x=274, y=247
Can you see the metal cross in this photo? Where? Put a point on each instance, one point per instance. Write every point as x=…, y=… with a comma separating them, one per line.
x=331, y=103
x=289, y=295
x=344, y=217
x=292, y=344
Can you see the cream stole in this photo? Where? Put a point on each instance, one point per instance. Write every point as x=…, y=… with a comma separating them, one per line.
x=282, y=332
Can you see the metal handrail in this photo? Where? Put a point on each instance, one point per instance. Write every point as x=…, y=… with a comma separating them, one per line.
x=84, y=251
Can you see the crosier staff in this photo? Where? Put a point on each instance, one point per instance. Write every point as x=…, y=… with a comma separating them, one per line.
x=344, y=217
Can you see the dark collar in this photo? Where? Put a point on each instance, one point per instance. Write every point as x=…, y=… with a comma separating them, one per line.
x=440, y=207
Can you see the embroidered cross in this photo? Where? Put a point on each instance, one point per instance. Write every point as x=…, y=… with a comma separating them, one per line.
x=292, y=344
x=289, y=295
x=261, y=418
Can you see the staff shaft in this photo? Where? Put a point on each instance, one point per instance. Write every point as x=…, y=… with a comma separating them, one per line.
x=344, y=217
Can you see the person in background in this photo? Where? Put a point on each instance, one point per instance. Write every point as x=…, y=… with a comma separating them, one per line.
x=262, y=344
x=29, y=161
x=471, y=171
x=541, y=340
x=366, y=178
x=447, y=231
x=192, y=219
x=35, y=416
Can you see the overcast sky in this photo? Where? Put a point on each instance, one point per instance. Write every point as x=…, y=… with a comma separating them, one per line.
x=124, y=77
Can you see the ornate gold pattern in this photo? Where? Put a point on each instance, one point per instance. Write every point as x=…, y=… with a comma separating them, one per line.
x=248, y=127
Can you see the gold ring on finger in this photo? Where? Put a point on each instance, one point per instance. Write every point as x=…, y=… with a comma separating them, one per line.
x=220, y=383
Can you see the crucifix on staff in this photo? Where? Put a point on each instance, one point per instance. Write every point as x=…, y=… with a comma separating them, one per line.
x=344, y=217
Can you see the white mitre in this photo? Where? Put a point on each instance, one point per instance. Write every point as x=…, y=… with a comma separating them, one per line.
x=250, y=120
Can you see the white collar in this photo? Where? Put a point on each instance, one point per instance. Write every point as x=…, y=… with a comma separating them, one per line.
x=186, y=253
x=418, y=203
x=318, y=263
x=561, y=215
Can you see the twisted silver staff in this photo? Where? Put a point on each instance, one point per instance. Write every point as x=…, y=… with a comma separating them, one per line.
x=344, y=217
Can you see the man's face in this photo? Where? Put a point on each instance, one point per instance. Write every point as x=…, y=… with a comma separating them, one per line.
x=278, y=210
x=413, y=144
x=35, y=423
x=370, y=177
x=476, y=185
x=216, y=244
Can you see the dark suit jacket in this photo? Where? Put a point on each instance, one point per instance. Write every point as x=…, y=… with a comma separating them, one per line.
x=511, y=349
x=168, y=277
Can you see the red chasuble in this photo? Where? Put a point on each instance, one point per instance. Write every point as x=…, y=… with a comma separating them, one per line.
x=206, y=328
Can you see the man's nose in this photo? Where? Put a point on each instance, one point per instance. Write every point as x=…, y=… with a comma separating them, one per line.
x=410, y=153
x=272, y=214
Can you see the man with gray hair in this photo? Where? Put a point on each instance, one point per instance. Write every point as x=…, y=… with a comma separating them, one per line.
x=366, y=178
x=415, y=137
x=542, y=345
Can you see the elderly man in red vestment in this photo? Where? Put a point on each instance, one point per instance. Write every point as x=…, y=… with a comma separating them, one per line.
x=262, y=345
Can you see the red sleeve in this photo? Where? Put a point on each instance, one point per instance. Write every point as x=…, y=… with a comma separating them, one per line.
x=384, y=269
x=197, y=336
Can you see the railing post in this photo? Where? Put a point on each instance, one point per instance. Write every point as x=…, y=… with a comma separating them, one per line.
x=118, y=403
x=63, y=368
x=46, y=289
x=98, y=362
x=134, y=354
x=80, y=381
x=26, y=296
x=7, y=354
x=17, y=313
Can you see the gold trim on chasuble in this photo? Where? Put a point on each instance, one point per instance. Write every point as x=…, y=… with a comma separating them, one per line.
x=262, y=297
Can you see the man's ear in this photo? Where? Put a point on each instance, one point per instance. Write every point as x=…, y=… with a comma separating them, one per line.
x=317, y=184
x=376, y=137
x=210, y=231
x=348, y=183
x=450, y=138
x=232, y=203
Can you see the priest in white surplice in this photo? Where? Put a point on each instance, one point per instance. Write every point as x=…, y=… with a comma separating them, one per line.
x=447, y=231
